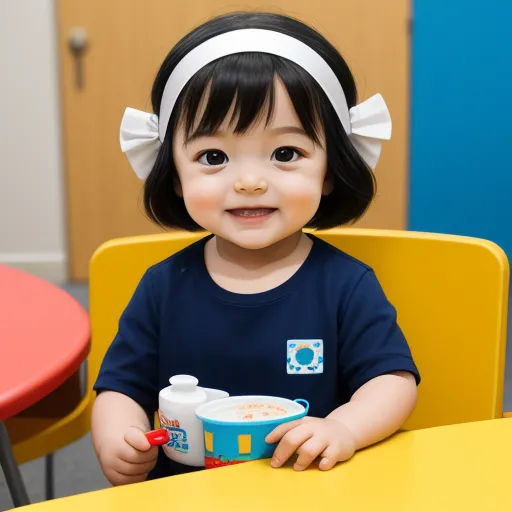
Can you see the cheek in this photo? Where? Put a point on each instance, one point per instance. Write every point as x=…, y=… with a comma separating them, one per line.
x=302, y=191
x=202, y=196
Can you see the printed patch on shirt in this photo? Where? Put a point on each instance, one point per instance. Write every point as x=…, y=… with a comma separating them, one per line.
x=305, y=357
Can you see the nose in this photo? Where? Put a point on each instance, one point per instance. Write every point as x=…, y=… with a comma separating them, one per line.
x=251, y=184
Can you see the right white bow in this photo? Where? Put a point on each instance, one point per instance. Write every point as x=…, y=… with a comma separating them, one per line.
x=139, y=140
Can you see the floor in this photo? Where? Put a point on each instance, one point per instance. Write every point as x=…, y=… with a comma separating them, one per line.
x=76, y=467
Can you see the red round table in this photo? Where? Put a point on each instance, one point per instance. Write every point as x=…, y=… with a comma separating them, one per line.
x=44, y=338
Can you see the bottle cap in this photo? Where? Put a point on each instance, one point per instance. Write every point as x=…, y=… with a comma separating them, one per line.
x=183, y=383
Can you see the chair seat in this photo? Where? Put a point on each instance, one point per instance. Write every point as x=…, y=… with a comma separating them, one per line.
x=20, y=428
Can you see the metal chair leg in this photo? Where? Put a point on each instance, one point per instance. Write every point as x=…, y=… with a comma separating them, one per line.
x=11, y=470
x=48, y=477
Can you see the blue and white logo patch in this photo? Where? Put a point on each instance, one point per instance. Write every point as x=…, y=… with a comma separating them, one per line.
x=305, y=357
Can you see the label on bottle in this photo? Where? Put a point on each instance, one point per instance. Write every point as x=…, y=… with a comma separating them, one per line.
x=178, y=438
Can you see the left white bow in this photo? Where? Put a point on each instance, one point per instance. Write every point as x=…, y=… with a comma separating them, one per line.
x=370, y=124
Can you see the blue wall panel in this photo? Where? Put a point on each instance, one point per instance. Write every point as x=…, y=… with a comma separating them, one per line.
x=461, y=126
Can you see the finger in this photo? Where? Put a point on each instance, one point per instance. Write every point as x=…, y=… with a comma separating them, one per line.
x=127, y=469
x=116, y=478
x=277, y=434
x=290, y=443
x=309, y=451
x=131, y=455
x=330, y=457
x=137, y=438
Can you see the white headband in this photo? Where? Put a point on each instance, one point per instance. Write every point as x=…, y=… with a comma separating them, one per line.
x=366, y=124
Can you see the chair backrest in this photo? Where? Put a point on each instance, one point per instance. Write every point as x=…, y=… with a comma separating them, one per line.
x=450, y=292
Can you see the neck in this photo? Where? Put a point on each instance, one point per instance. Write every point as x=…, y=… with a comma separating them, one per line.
x=254, y=259
x=242, y=270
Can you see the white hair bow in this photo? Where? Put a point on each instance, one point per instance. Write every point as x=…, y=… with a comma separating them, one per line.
x=370, y=124
x=139, y=140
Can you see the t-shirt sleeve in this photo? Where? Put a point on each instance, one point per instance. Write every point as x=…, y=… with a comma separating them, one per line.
x=130, y=365
x=371, y=342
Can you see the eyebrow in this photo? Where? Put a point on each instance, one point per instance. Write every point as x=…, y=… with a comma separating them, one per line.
x=279, y=130
x=289, y=129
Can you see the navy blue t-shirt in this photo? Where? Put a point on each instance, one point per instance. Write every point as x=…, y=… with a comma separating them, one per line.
x=320, y=335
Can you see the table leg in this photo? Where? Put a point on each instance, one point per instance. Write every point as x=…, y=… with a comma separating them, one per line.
x=48, y=477
x=11, y=470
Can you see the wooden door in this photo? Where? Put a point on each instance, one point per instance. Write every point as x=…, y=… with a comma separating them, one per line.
x=128, y=40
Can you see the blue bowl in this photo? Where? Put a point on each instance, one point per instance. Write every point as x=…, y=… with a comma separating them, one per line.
x=235, y=428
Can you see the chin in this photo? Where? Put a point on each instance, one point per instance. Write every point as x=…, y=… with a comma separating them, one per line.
x=252, y=241
x=257, y=240
x=253, y=245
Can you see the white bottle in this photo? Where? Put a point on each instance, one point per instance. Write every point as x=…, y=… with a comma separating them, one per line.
x=177, y=412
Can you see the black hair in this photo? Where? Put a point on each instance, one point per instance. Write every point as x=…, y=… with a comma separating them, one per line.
x=248, y=79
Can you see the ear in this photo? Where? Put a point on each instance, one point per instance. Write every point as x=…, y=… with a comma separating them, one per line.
x=328, y=185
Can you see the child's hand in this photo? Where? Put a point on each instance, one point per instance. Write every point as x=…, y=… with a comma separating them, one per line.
x=128, y=460
x=311, y=438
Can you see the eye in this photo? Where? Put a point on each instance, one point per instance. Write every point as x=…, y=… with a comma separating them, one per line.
x=213, y=157
x=285, y=155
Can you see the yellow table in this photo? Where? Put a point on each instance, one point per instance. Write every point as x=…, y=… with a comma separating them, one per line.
x=456, y=468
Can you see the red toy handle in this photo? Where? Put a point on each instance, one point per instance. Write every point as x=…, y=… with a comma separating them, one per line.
x=157, y=437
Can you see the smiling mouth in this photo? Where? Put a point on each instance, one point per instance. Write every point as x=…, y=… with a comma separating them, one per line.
x=251, y=212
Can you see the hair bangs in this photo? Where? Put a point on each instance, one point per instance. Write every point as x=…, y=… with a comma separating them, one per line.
x=239, y=89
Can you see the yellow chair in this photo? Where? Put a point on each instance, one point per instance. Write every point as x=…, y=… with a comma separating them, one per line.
x=451, y=294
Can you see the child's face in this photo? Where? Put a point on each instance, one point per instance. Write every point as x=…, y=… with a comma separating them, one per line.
x=258, y=188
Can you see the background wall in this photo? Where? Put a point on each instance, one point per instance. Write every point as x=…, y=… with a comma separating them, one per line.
x=461, y=140
x=32, y=213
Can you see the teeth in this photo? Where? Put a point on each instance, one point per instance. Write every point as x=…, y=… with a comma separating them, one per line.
x=252, y=212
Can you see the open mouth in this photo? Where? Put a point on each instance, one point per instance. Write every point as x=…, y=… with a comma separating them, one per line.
x=251, y=212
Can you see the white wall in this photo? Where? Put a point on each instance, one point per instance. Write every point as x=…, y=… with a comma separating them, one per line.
x=32, y=205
